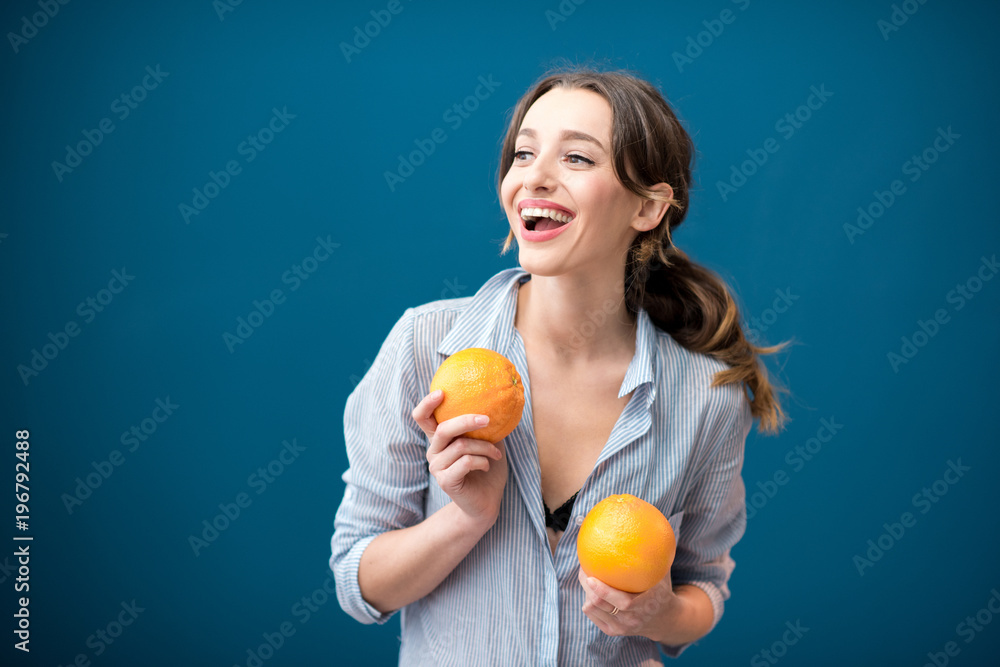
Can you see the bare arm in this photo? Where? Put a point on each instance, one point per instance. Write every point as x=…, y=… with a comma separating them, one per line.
x=401, y=566
x=689, y=620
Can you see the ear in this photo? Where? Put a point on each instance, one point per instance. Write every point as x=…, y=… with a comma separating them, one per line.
x=651, y=211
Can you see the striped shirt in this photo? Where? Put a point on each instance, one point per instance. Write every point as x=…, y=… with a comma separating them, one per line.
x=678, y=444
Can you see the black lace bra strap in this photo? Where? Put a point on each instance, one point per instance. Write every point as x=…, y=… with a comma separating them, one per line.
x=559, y=519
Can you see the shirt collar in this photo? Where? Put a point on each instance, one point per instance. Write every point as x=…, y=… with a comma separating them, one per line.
x=488, y=321
x=641, y=370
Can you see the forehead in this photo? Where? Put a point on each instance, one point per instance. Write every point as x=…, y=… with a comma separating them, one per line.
x=570, y=109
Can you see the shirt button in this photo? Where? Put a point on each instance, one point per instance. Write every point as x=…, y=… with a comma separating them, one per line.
x=579, y=520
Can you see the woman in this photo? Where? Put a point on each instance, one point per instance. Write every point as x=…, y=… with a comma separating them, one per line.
x=638, y=379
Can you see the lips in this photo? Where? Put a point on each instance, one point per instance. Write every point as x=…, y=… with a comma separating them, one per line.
x=542, y=220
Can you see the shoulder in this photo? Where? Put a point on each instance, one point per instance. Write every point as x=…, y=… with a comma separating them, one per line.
x=424, y=331
x=688, y=380
x=444, y=312
x=712, y=420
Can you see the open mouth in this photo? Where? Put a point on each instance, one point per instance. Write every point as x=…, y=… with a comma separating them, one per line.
x=543, y=219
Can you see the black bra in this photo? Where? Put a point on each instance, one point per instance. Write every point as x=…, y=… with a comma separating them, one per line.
x=559, y=519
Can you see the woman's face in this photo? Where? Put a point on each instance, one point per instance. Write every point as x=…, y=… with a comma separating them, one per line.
x=562, y=165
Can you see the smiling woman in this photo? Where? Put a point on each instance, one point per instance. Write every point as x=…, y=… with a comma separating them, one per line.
x=638, y=379
x=647, y=144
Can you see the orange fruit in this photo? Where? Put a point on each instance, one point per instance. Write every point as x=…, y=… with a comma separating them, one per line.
x=627, y=543
x=481, y=382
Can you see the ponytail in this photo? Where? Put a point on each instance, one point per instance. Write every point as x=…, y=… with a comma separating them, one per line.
x=696, y=308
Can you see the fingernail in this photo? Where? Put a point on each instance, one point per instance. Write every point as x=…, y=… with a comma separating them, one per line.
x=436, y=393
x=482, y=420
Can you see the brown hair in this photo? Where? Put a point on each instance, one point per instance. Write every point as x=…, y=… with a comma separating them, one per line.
x=686, y=300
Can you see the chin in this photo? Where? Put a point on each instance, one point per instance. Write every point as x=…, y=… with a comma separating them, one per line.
x=537, y=264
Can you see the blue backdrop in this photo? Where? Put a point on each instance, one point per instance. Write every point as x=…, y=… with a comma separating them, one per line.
x=215, y=211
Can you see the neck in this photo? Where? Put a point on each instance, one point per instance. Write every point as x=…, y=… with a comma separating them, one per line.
x=576, y=318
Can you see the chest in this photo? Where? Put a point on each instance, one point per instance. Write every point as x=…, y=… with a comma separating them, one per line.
x=573, y=413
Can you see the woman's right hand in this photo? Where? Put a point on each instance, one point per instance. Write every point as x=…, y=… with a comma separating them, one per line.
x=472, y=472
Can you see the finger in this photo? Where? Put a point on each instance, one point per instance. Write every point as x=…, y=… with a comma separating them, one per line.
x=607, y=623
x=454, y=475
x=423, y=413
x=458, y=426
x=607, y=598
x=602, y=607
x=453, y=428
x=461, y=447
x=592, y=601
x=613, y=622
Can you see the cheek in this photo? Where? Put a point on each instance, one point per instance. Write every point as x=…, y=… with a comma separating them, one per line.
x=609, y=201
x=598, y=198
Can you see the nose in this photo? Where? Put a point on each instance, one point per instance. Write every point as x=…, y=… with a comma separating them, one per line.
x=539, y=175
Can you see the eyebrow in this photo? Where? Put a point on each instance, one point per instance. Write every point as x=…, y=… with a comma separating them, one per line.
x=566, y=135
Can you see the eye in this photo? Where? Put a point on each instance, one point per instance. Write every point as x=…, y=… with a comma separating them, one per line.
x=521, y=155
x=579, y=159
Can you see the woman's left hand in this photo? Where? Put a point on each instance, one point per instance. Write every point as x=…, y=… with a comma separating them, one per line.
x=618, y=613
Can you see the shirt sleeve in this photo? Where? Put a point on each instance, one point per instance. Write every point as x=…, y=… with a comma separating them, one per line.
x=714, y=508
x=386, y=479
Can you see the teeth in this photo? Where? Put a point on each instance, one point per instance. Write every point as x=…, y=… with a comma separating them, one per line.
x=558, y=216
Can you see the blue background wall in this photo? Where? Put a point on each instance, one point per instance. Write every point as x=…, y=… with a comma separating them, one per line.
x=345, y=121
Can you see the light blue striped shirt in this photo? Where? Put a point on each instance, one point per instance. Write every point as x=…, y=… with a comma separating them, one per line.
x=678, y=444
